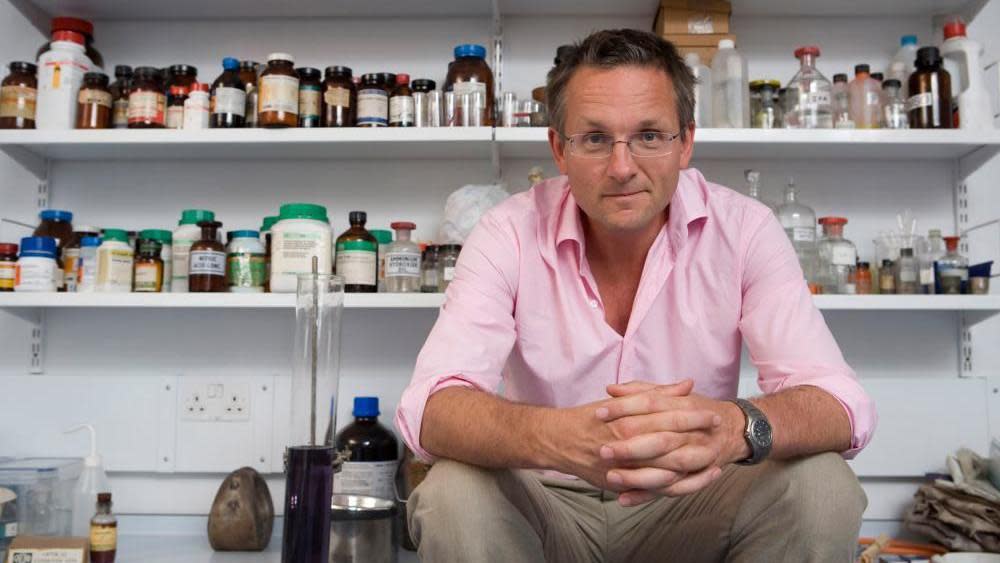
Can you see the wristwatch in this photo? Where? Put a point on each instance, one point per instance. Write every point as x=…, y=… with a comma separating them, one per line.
x=757, y=432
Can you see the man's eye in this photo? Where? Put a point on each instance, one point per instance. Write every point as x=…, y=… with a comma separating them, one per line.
x=650, y=136
x=595, y=139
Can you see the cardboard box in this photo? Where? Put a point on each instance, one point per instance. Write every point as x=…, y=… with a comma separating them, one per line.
x=694, y=22
x=703, y=40
x=705, y=54
x=720, y=6
x=39, y=549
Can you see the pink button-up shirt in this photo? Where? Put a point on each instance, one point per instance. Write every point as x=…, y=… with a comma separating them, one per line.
x=524, y=310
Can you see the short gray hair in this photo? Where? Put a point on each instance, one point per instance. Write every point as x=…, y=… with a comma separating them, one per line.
x=613, y=48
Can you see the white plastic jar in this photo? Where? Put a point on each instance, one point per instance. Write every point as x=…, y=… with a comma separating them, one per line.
x=196, y=107
x=60, y=74
x=246, y=263
x=115, y=262
x=86, y=279
x=302, y=232
x=187, y=233
x=36, y=269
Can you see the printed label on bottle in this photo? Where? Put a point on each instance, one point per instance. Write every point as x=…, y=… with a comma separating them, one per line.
x=71, y=263
x=96, y=97
x=8, y=530
x=843, y=256
x=147, y=107
x=309, y=101
x=18, y=101
x=926, y=276
x=816, y=100
x=373, y=107
x=87, y=272
x=801, y=234
x=196, y=112
x=367, y=478
x=292, y=253
x=448, y=273
x=279, y=93
x=460, y=88
x=175, y=117
x=922, y=100
x=36, y=275
x=147, y=278
x=402, y=264
x=907, y=276
x=358, y=267
x=119, y=118
x=208, y=263
x=401, y=109
x=7, y=275
x=103, y=538
x=961, y=273
x=337, y=97
x=246, y=269
x=181, y=248
x=229, y=100
x=114, y=269
x=873, y=99
x=430, y=278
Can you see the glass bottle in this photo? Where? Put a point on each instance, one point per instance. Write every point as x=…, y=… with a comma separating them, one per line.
x=841, y=103
x=952, y=269
x=730, y=88
x=119, y=96
x=357, y=256
x=18, y=96
x=754, y=86
x=371, y=469
x=702, y=90
x=103, y=532
x=470, y=74
x=402, y=261
x=838, y=257
x=929, y=104
x=894, y=110
x=229, y=99
x=887, y=277
x=767, y=115
x=447, y=260
x=310, y=96
x=907, y=273
x=863, y=279
x=207, y=261
x=753, y=187
x=340, y=97
x=94, y=102
x=175, y=106
x=811, y=94
x=865, y=98
x=249, y=74
x=932, y=249
x=148, y=277
x=147, y=103
x=799, y=222
x=278, y=92
x=429, y=270
x=401, y=103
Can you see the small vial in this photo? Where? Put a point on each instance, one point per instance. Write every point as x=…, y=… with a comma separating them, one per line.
x=907, y=273
x=887, y=278
x=103, y=532
x=429, y=270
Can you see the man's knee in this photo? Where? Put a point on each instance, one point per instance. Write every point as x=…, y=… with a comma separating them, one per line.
x=451, y=495
x=822, y=494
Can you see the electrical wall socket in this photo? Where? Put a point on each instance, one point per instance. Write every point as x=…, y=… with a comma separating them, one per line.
x=214, y=401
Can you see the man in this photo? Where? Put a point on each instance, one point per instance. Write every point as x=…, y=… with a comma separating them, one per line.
x=610, y=304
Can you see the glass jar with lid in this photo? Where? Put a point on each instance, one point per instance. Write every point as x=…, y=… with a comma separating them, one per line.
x=447, y=259
x=18, y=96
x=810, y=91
x=373, y=102
x=765, y=112
x=229, y=98
x=838, y=258
x=119, y=96
x=310, y=96
x=278, y=92
x=340, y=97
x=402, y=261
x=401, y=103
x=469, y=74
x=181, y=75
x=147, y=104
x=249, y=74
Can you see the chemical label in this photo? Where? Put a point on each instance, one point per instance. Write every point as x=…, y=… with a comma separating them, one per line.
x=8, y=530
x=926, y=276
x=196, y=113
x=460, y=88
x=337, y=97
x=114, y=268
x=55, y=75
x=8, y=271
x=208, y=263
x=147, y=278
x=815, y=100
x=873, y=99
x=907, y=276
x=960, y=273
x=18, y=101
x=801, y=234
x=401, y=109
x=147, y=107
x=36, y=275
x=309, y=101
x=119, y=117
x=71, y=261
x=923, y=100
x=229, y=100
x=844, y=256
x=700, y=24
x=358, y=267
x=449, y=273
x=103, y=538
x=181, y=248
x=245, y=269
x=279, y=93
x=45, y=555
x=369, y=478
x=96, y=97
x=373, y=107
x=175, y=117
x=402, y=264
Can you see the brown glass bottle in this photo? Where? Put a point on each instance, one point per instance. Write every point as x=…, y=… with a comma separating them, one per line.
x=175, y=106
x=469, y=74
x=373, y=102
x=119, y=96
x=340, y=97
x=357, y=256
x=249, y=74
x=103, y=532
x=147, y=104
x=366, y=438
x=401, y=103
x=278, y=92
x=18, y=95
x=181, y=75
x=229, y=99
x=310, y=96
x=207, y=269
x=929, y=106
x=148, y=276
x=94, y=102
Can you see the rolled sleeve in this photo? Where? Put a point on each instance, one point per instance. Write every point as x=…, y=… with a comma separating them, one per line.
x=786, y=335
x=474, y=332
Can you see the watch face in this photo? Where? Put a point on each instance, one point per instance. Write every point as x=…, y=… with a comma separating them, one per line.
x=761, y=432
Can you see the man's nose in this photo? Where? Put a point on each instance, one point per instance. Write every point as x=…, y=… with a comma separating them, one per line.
x=621, y=164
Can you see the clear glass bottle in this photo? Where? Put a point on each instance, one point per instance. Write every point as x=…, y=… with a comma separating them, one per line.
x=447, y=259
x=837, y=258
x=931, y=250
x=402, y=261
x=730, y=88
x=952, y=269
x=753, y=187
x=866, y=99
x=799, y=222
x=894, y=110
x=811, y=94
x=841, y=103
x=887, y=277
x=907, y=273
x=429, y=270
x=767, y=114
x=702, y=90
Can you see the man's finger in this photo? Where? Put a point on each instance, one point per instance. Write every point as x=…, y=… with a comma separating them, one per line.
x=648, y=478
x=681, y=388
x=637, y=497
x=693, y=483
x=655, y=400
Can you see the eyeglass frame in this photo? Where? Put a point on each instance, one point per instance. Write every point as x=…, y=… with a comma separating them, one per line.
x=570, y=139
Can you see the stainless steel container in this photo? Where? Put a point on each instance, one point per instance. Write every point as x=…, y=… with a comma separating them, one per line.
x=363, y=530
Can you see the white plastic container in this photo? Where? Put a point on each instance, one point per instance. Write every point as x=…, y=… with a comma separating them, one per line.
x=86, y=278
x=187, y=233
x=36, y=269
x=60, y=74
x=92, y=481
x=963, y=60
x=196, y=108
x=730, y=87
x=246, y=263
x=115, y=262
x=302, y=231
x=903, y=63
x=702, y=90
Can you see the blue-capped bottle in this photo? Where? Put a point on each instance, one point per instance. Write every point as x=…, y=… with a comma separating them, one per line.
x=229, y=99
x=470, y=74
x=371, y=470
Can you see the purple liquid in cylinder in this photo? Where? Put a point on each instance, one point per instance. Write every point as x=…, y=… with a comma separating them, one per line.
x=308, y=490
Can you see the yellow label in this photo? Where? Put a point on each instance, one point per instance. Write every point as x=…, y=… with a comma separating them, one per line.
x=97, y=97
x=103, y=538
x=18, y=101
x=8, y=273
x=279, y=92
x=337, y=97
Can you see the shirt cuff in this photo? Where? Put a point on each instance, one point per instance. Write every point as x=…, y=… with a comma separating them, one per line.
x=410, y=414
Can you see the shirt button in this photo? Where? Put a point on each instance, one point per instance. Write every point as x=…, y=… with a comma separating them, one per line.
x=593, y=303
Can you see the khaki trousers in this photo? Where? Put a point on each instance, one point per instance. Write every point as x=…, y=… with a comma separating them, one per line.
x=802, y=511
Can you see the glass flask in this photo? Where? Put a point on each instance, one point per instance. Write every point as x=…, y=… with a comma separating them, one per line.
x=810, y=92
x=799, y=222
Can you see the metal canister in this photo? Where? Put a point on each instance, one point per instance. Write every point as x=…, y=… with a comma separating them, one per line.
x=363, y=529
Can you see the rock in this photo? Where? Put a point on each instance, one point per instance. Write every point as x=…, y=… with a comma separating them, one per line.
x=242, y=514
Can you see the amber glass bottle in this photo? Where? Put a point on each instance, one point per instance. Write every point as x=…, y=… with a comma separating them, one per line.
x=94, y=102
x=148, y=276
x=357, y=256
x=207, y=270
x=278, y=92
x=340, y=97
x=929, y=106
x=103, y=532
x=147, y=103
x=119, y=96
x=249, y=73
x=18, y=94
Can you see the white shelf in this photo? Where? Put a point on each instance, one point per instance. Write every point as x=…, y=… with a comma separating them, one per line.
x=255, y=144
x=908, y=302
x=855, y=8
x=532, y=142
x=210, y=300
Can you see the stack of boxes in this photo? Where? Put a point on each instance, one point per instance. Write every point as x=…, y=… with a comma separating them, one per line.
x=694, y=26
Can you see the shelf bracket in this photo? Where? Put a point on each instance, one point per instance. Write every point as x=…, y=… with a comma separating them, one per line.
x=497, y=29
x=965, y=322
x=36, y=361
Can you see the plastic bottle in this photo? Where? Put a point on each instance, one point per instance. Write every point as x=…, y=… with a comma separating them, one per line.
x=92, y=481
x=86, y=277
x=702, y=90
x=902, y=64
x=60, y=75
x=246, y=265
x=187, y=233
x=371, y=470
x=196, y=107
x=302, y=231
x=730, y=87
x=963, y=59
x=841, y=103
x=115, y=262
x=37, y=270
x=866, y=99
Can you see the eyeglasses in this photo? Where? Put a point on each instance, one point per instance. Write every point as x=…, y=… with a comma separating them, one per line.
x=644, y=144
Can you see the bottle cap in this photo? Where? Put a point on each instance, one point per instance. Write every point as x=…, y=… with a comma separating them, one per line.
x=244, y=234
x=38, y=246
x=104, y=498
x=907, y=40
x=891, y=83
x=366, y=407
x=357, y=217
x=403, y=225
x=477, y=51
x=951, y=243
x=249, y=65
x=928, y=56
x=150, y=246
x=862, y=69
x=908, y=252
x=307, y=72
x=8, y=248
x=99, y=77
x=864, y=265
x=71, y=36
x=454, y=248
x=90, y=241
x=886, y=263
x=727, y=44
x=209, y=224
x=179, y=90
x=832, y=221
x=123, y=71
x=303, y=211
x=807, y=50
x=337, y=70
x=281, y=57
x=147, y=72
x=78, y=25
x=119, y=235
x=229, y=63
x=423, y=85
x=878, y=76
x=23, y=66
x=160, y=235
x=954, y=26
x=402, y=79
x=183, y=69
x=195, y=216
x=269, y=222
x=382, y=236
x=56, y=215
x=840, y=77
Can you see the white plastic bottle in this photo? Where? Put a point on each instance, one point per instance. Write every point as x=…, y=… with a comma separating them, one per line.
x=187, y=233
x=196, y=107
x=730, y=87
x=702, y=90
x=92, y=481
x=86, y=278
x=115, y=262
x=302, y=231
x=904, y=62
x=60, y=74
x=963, y=60
x=36, y=269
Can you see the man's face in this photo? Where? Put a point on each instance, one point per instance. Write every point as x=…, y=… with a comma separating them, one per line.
x=621, y=193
